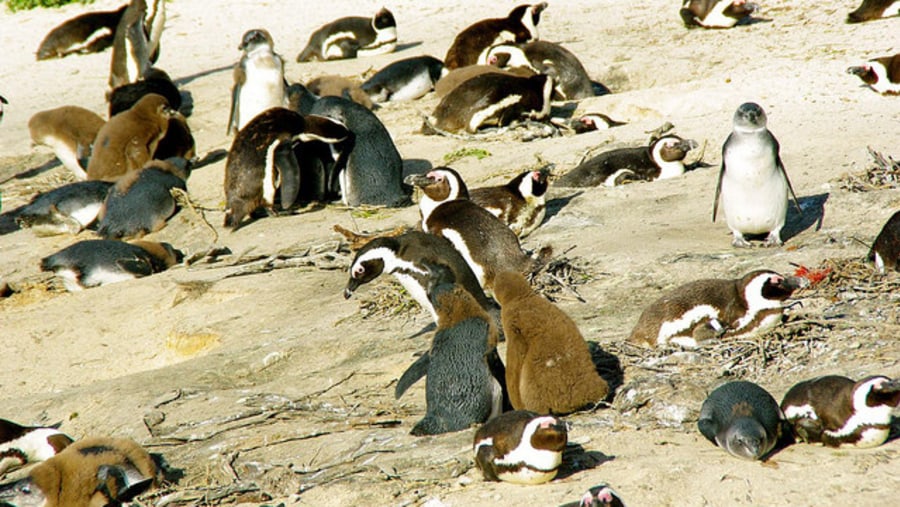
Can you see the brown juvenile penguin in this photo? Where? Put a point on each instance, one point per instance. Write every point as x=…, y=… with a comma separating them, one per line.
x=881, y=74
x=340, y=86
x=69, y=131
x=90, y=32
x=459, y=76
x=519, y=26
x=548, y=364
x=520, y=204
x=129, y=139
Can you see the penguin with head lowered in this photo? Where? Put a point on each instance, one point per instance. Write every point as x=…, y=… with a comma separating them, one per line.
x=742, y=418
x=91, y=32
x=69, y=131
x=880, y=74
x=715, y=13
x=67, y=209
x=570, y=79
x=352, y=36
x=885, y=251
x=519, y=26
x=753, y=185
x=520, y=203
x=835, y=410
x=258, y=79
x=406, y=79
x=521, y=447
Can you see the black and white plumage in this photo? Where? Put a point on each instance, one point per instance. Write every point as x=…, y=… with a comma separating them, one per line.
x=258, y=79
x=90, y=32
x=870, y=10
x=742, y=418
x=520, y=25
x=94, y=262
x=521, y=447
x=880, y=74
x=835, y=410
x=352, y=36
x=570, y=79
x=600, y=495
x=753, y=184
x=70, y=208
x=520, y=203
x=154, y=81
x=885, y=251
x=20, y=445
x=406, y=79
x=715, y=13
x=131, y=48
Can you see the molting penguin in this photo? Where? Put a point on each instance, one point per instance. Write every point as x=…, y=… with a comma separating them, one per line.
x=141, y=201
x=408, y=257
x=869, y=10
x=20, y=445
x=69, y=131
x=837, y=411
x=662, y=159
x=571, y=81
x=548, y=364
x=711, y=308
x=521, y=447
x=129, y=139
x=178, y=141
x=493, y=100
x=885, y=251
x=488, y=245
x=340, y=86
x=94, y=262
x=715, y=13
x=752, y=182
x=600, y=495
x=456, y=77
x=68, y=209
x=462, y=366
x=370, y=170
x=881, y=74
x=742, y=418
x=352, y=36
x=154, y=81
x=406, y=79
x=262, y=160
x=520, y=204
x=258, y=79
x=519, y=26
x=131, y=52
x=91, y=32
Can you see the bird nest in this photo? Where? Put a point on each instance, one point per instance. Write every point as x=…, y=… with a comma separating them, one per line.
x=884, y=173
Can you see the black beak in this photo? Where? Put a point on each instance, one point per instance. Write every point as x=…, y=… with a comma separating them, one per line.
x=418, y=180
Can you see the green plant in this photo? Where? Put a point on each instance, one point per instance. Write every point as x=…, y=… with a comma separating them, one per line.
x=24, y=5
x=453, y=156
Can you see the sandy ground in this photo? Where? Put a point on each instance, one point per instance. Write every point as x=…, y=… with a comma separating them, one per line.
x=270, y=385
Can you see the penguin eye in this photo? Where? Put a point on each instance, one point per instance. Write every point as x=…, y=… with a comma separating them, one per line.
x=358, y=270
x=26, y=489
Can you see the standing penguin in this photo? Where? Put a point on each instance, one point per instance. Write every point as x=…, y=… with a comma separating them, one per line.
x=258, y=79
x=881, y=74
x=370, y=170
x=154, y=23
x=548, y=364
x=742, y=418
x=461, y=387
x=20, y=445
x=869, y=10
x=519, y=26
x=520, y=204
x=885, y=251
x=406, y=79
x=131, y=52
x=752, y=182
x=91, y=32
x=570, y=79
x=69, y=131
x=835, y=410
x=67, y=209
x=715, y=13
x=521, y=447
x=488, y=245
x=352, y=36
x=710, y=308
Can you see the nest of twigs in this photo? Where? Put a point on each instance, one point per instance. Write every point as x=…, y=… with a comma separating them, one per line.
x=883, y=174
x=559, y=278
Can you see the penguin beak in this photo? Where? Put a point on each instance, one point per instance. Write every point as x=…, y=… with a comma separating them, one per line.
x=857, y=70
x=418, y=180
x=792, y=283
x=352, y=285
x=688, y=144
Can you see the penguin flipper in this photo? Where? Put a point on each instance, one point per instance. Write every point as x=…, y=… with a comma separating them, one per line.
x=708, y=428
x=718, y=188
x=289, y=170
x=239, y=78
x=136, y=265
x=808, y=430
x=412, y=374
x=788, y=181
x=498, y=371
x=484, y=459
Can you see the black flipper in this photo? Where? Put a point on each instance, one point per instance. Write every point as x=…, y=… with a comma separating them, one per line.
x=412, y=374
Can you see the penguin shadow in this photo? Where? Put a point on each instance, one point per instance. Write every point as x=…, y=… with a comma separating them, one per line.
x=577, y=459
x=555, y=205
x=750, y=20
x=431, y=326
x=813, y=207
x=8, y=221
x=895, y=430
x=187, y=103
x=608, y=367
x=407, y=45
x=187, y=79
x=169, y=473
x=34, y=171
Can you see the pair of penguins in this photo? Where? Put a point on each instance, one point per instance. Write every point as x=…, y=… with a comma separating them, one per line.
x=728, y=13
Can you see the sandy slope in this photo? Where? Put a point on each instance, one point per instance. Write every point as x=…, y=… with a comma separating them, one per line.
x=275, y=380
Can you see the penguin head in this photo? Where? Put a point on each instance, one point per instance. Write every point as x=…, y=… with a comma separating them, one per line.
x=440, y=185
x=22, y=493
x=749, y=117
x=876, y=391
x=601, y=495
x=864, y=72
x=767, y=289
x=155, y=105
x=370, y=262
x=506, y=55
x=531, y=183
x=383, y=19
x=547, y=433
x=745, y=438
x=255, y=38
x=670, y=148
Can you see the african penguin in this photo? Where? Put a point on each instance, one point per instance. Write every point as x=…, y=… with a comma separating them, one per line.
x=69, y=131
x=70, y=208
x=20, y=445
x=588, y=122
x=520, y=203
x=131, y=52
x=870, y=10
x=154, y=81
x=715, y=13
x=712, y=308
x=570, y=80
x=753, y=184
x=885, y=251
x=258, y=79
x=519, y=26
x=91, y=32
x=2, y=102
x=742, y=418
x=406, y=79
x=352, y=36
x=880, y=74
x=663, y=158
x=835, y=410
x=340, y=86
x=600, y=495
x=521, y=447
x=154, y=23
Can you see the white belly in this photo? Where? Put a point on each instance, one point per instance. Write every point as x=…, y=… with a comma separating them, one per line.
x=754, y=191
x=263, y=89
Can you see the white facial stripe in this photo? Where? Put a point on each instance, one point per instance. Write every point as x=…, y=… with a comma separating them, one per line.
x=398, y=267
x=528, y=21
x=670, y=328
x=667, y=169
x=755, y=300
x=526, y=187
x=716, y=17
x=883, y=84
x=863, y=414
x=460, y=245
x=268, y=182
x=482, y=116
x=540, y=459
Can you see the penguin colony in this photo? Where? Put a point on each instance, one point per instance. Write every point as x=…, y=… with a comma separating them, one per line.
x=291, y=145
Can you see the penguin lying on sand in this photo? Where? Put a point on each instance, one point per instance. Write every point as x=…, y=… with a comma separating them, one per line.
x=870, y=10
x=521, y=447
x=20, y=445
x=881, y=74
x=715, y=13
x=570, y=79
x=91, y=32
x=520, y=204
x=351, y=37
x=406, y=79
x=519, y=26
x=70, y=208
x=742, y=418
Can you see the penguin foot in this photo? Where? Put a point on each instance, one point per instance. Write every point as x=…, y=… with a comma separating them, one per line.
x=739, y=241
x=773, y=239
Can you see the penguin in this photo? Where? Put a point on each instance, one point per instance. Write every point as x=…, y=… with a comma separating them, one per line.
x=519, y=26
x=352, y=36
x=570, y=79
x=131, y=52
x=713, y=308
x=600, y=495
x=141, y=201
x=715, y=13
x=69, y=131
x=662, y=159
x=370, y=170
x=520, y=204
x=339, y=86
x=129, y=139
x=262, y=160
x=300, y=99
x=588, y=122
x=461, y=367
x=742, y=418
x=870, y=10
x=21, y=445
x=835, y=411
x=456, y=77
x=521, y=447
x=408, y=257
x=493, y=100
x=3, y=101
x=258, y=79
x=486, y=243
x=154, y=81
x=880, y=74
x=154, y=23
x=80, y=476
x=885, y=251
x=548, y=364
x=406, y=79
x=95, y=262
x=70, y=208
x=91, y=32
x=753, y=183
